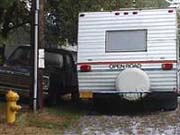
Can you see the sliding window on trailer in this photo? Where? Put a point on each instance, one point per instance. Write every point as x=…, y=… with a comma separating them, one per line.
x=126, y=41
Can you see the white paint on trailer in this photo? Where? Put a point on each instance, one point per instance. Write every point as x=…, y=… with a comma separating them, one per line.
x=161, y=26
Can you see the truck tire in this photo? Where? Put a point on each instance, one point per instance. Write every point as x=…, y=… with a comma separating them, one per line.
x=75, y=96
x=53, y=93
x=52, y=97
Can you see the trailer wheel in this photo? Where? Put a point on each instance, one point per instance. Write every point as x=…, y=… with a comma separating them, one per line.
x=166, y=101
x=172, y=106
x=171, y=103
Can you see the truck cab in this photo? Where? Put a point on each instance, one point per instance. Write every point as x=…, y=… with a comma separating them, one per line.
x=60, y=75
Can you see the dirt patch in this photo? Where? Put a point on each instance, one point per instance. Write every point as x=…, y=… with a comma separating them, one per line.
x=16, y=130
x=140, y=123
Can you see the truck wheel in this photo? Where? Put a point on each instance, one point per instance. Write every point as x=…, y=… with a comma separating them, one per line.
x=166, y=101
x=171, y=104
x=53, y=95
x=52, y=98
x=75, y=96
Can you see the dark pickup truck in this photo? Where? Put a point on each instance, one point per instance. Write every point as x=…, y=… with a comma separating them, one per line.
x=60, y=74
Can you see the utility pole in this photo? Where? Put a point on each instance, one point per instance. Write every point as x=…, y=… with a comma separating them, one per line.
x=37, y=53
x=41, y=50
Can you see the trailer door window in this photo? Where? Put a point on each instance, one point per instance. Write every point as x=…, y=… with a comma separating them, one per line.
x=126, y=41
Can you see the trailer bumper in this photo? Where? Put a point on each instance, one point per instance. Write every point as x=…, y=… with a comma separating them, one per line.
x=101, y=94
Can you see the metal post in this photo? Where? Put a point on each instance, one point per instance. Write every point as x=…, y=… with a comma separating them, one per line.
x=36, y=27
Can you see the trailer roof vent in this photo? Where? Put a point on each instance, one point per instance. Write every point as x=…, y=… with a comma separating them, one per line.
x=135, y=13
x=82, y=15
x=117, y=13
x=170, y=11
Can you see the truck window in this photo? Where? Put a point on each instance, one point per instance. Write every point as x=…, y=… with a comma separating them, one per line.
x=69, y=64
x=54, y=59
x=126, y=40
x=20, y=57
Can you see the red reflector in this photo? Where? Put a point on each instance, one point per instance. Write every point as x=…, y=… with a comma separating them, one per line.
x=167, y=66
x=135, y=13
x=117, y=13
x=85, y=68
x=126, y=13
x=170, y=11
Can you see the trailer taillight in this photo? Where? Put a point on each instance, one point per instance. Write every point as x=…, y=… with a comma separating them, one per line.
x=167, y=66
x=85, y=68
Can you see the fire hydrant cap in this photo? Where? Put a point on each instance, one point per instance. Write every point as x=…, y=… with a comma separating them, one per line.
x=12, y=96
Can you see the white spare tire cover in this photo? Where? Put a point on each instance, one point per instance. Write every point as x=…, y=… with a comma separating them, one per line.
x=134, y=82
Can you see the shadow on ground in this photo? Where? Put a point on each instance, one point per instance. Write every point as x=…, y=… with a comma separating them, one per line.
x=97, y=107
x=107, y=107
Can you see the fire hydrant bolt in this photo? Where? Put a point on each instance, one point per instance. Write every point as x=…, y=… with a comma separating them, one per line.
x=12, y=107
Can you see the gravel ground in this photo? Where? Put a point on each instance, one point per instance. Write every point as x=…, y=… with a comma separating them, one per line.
x=142, y=123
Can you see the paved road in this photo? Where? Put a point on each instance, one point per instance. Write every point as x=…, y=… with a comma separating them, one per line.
x=128, y=123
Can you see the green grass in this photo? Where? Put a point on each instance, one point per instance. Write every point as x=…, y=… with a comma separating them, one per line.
x=56, y=119
x=2, y=106
x=2, y=111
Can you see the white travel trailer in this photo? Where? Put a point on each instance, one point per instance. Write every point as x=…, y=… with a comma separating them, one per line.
x=130, y=53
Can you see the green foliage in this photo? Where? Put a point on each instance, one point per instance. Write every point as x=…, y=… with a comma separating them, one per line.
x=62, y=16
x=152, y=3
x=13, y=14
x=6, y=3
x=66, y=15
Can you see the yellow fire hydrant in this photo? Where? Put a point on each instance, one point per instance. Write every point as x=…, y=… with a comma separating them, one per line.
x=12, y=107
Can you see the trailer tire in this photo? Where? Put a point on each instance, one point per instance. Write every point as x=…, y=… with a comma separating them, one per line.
x=171, y=103
x=166, y=101
x=134, y=83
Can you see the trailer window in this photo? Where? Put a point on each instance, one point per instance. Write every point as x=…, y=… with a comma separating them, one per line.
x=126, y=41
